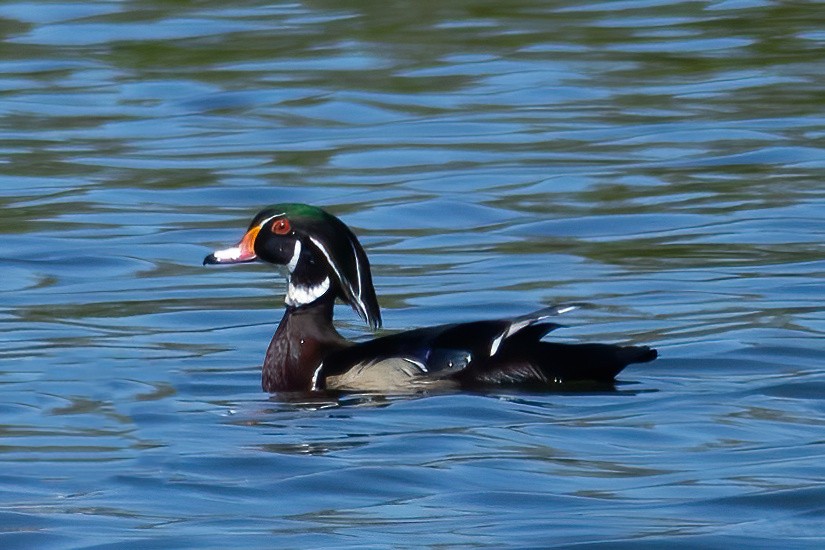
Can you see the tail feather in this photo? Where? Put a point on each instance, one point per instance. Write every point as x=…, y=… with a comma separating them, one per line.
x=600, y=362
x=548, y=363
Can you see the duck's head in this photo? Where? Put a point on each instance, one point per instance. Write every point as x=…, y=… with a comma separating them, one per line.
x=321, y=254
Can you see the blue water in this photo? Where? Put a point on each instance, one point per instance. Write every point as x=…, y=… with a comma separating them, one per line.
x=661, y=162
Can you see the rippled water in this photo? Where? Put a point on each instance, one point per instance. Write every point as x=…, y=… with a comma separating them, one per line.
x=661, y=161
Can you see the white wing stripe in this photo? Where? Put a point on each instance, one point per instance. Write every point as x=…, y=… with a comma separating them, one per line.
x=418, y=364
x=518, y=325
x=497, y=343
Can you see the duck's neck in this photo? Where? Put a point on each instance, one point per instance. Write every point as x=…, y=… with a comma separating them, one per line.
x=303, y=339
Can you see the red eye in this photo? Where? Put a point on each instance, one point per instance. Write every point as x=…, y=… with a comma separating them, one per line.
x=281, y=227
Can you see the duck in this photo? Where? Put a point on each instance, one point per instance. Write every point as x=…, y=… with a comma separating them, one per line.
x=325, y=262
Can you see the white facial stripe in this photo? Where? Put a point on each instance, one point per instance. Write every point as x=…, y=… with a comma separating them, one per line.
x=303, y=295
x=227, y=253
x=357, y=270
x=361, y=307
x=358, y=303
x=295, y=255
x=270, y=218
x=323, y=250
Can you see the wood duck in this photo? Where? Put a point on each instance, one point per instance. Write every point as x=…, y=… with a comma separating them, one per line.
x=325, y=261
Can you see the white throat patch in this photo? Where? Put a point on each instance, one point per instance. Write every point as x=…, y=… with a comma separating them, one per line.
x=302, y=295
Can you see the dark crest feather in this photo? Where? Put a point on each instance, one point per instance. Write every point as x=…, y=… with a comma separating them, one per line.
x=349, y=265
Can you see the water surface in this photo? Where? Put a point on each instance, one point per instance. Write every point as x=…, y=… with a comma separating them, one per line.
x=660, y=161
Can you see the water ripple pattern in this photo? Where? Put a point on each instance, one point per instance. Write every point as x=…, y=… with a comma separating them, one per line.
x=662, y=162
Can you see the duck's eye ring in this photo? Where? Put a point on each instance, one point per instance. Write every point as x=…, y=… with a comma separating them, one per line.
x=281, y=227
